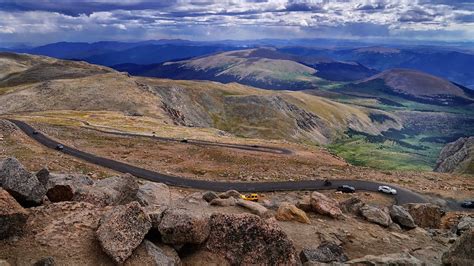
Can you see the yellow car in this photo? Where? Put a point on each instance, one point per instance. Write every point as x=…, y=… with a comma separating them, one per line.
x=251, y=197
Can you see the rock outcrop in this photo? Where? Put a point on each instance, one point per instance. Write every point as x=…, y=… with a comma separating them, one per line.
x=426, y=215
x=21, y=184
x=12, y=216
x=180, y=226
x=462, y=251
x=153, y=195
x=376, y=215
x=326, y=252
x=402, y=217
x=115, y=190
x=122, y=229
x=325, y=205
x=457, y=157
x=289, y=212
x=248, y=239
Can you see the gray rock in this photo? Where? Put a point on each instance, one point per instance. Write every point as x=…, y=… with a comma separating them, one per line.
x=209, y=196
x=462, y=251
x=12, y=216
x=116, y=190
x=465, y=224
x=246, y=239
x=43, y=176
x=375, y=215
x=63, y=187
x=122, y=229
x=24, y=186
x=402, y=217
x=254, y=208
x=46, y=261
x=223, y=202
x=150, y=254
x=230, y=193
x=326, y=252
x=395, y=259
x=180, y=226
x=153, y=195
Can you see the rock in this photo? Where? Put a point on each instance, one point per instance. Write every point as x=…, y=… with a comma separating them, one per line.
x=375, y=215
x=46, y=261
x=209, y=196
x=426, y=215
x=12, y=216
x=22, y=185
x=253, y=207
x=230, y=193
x=116, y=190
x=180, y=226
x=456, y=156
x=462, y=251
x=153, y=195
x=289, y=212
x=63, y=187
x=304, y=204
x=122, y=229
x=395, y=259
x=248, y=239
x=150, y=254
x=324, y=205
x=402, y=217
x=223, y=202
x=43, y=176
x=326, y=252
x=465, y=223
x=352, y=205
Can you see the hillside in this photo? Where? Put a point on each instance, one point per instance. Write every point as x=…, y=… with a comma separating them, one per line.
x=261, y=67
x=412, y=85
x=457, y=157
x=237, y=109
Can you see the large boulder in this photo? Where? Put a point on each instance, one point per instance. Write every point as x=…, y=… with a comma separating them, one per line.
x=63, y=187
x=395, y=259
x=153, y=195
x=426, y=215
x=289, y=212
x=181, y=226
x=326, y=252
x=462, y=251
x=254, y=207
x=122, y=229
x=12, y=216
x=402, y=217
x=22, y=185
x=248, y=239
x=152, y=255
x=376, y=215
x=352, y=205
x=115, y=190
x=325, y=205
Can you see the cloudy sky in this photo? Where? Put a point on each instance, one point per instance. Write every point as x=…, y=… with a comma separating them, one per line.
x=45, y=21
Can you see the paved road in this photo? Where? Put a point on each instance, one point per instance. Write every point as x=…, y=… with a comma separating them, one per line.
x=403, y=196
x=256, y=148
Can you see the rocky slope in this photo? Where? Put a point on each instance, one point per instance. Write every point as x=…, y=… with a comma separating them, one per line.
x=241, y=110
x=457, y=157
x=127, y=221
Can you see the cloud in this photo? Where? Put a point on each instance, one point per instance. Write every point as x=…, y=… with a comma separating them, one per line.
x=233, y=19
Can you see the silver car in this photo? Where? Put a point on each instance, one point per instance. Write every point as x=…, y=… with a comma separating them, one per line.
x=387, y=190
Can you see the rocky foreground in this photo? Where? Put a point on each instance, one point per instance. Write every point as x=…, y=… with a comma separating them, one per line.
x=49, y=219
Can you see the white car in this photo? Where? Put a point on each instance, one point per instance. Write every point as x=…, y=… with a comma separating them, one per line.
x=388, y=190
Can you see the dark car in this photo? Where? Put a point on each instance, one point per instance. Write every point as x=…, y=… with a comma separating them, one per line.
x=346, y=189
x=59, y=147
x=468, y=204
x=35, y=132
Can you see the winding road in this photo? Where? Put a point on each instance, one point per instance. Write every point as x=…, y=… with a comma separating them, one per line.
x=403, y=196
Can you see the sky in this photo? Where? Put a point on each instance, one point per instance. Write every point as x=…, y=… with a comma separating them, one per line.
x=47, y=21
